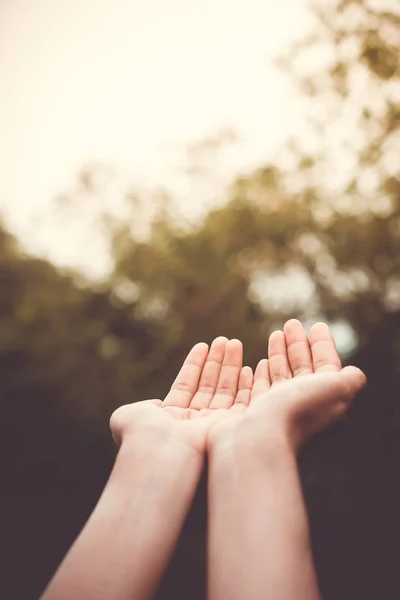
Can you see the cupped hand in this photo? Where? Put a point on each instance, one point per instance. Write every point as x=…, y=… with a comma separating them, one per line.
x=298, y=391
x=210, y=383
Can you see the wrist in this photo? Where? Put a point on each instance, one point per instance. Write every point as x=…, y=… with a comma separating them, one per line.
x=243, y=444
x=150, y=474
x=159, y=448
x=234, y=464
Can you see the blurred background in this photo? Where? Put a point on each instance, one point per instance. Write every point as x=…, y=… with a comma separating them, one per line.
x=173, y=171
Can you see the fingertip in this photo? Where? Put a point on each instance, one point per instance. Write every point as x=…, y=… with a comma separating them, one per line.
x=117, y=413
x=318, y=325
x=276, y=341
x=245, y=385
x=235, y=342
x=247, y=370
x=291, y=323
x=356, y=375
x=197, y=354
x=275, y=333
x=115, y=423
x=262, y=370
x=261, y=363
x=221, y=339
x=201, y=346
x=234, y=352
x=246, y=377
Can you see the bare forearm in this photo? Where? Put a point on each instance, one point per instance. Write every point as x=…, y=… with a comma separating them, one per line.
x=259, y=542
x=127, y=543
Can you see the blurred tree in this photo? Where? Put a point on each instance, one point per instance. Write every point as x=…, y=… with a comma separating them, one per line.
x=60, y=372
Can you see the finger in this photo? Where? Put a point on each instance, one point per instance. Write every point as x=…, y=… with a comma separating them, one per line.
x=315, y=401
x=210, y=374
x=120, y=415
x=355, y=377
x=279, y=368
x=298, y=348
x=244, y=387
x=229, y=376
x=262, y=382
x=323, y=349
x=185, y=385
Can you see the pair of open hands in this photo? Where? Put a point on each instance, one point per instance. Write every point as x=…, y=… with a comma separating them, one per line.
x=300, y=389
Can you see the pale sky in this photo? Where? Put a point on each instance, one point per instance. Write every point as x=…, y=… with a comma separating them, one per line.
x=130, y=84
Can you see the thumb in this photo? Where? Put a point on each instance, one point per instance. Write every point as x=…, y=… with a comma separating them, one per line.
x=355, y=378
x=319, y=400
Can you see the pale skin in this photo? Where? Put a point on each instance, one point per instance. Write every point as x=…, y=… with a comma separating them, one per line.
x=259, y=543
x=251, y=428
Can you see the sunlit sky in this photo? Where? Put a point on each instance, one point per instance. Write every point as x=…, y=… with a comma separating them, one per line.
x=130, y=84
